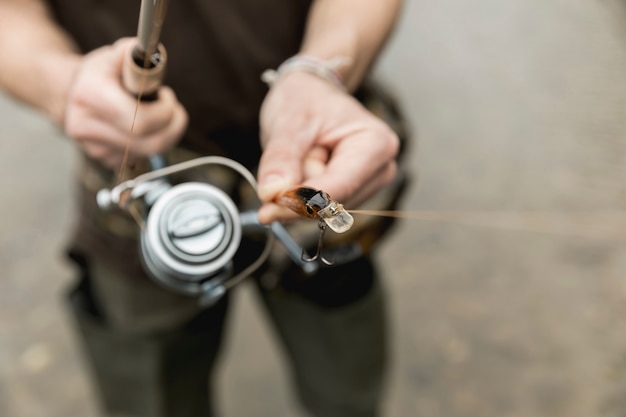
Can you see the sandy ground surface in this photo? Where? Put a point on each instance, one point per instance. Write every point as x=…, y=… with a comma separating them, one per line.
x=519, y=109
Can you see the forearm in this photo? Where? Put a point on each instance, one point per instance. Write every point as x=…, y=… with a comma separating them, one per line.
x=356, y=29
x=37, y=58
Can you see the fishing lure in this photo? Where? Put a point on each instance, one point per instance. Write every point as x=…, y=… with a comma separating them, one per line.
x=317, y=204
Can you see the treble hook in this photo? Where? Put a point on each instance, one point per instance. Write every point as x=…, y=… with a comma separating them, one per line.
x=318, y=253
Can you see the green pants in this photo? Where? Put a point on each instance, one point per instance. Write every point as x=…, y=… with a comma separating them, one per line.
x=152, y=352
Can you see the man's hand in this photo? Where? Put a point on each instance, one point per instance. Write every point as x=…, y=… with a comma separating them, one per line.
x=99, y=111
x=313, y=133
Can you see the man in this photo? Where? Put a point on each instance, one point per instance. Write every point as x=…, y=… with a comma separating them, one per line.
x=151, y=349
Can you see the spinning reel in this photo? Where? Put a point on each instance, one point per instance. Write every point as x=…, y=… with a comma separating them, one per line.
x=193, y=230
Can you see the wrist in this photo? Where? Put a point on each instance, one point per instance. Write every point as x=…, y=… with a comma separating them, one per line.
x=58, y=77
x=39, y=57
x=327, y=70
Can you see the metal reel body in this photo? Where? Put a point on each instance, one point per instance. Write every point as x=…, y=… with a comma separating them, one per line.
x=191, y=234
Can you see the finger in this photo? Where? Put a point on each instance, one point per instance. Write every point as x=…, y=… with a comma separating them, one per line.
x=281, y=163
x=354, y=162
x=270, y=212
x=164, y=139
x=157, y=115
x=315, y=162
x=82, y=127
x=107, y=156
x=104, y=99
x=374, y=184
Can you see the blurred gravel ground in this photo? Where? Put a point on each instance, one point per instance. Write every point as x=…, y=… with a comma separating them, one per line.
x=518, y=106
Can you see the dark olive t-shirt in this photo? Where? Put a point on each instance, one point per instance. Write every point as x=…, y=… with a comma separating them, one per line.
x=217, y=50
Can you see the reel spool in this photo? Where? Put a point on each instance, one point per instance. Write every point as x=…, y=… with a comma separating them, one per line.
x=191, y=234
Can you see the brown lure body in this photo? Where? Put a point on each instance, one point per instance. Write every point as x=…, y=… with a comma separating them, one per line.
x=304, y=201
x=317, y=204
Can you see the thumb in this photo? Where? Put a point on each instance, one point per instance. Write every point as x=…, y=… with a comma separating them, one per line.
x=121, y=49
x=280, y=166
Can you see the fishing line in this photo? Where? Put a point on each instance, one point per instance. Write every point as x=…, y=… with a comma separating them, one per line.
x=606, y=225
x=125, y=157
x=132, y=210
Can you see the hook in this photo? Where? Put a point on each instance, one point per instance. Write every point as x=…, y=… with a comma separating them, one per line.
x=318, y=253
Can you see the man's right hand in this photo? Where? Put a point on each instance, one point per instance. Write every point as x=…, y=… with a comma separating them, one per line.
x=99, y=111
